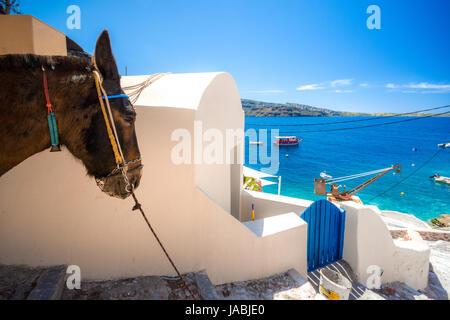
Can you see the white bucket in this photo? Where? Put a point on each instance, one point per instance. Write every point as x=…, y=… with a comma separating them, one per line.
x=334, y=285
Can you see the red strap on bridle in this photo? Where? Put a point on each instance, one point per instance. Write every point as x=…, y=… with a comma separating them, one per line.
x=47, y=96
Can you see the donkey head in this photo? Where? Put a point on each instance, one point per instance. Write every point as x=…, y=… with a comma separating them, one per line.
x=99, y=156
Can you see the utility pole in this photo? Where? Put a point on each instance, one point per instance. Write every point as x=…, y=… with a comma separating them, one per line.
x=279, y=185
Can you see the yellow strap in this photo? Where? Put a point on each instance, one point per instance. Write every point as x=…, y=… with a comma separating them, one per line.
x=108, y=126
x=332, y=295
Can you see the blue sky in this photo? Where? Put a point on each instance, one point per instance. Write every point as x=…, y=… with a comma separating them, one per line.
x=316, y=52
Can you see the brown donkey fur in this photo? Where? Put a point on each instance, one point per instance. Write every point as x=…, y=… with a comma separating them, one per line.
x=23, y=114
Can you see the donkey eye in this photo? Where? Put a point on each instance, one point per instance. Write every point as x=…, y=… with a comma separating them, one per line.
x=129, y=120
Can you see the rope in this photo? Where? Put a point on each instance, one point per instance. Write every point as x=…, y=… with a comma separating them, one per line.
x=409, y=176
x=139, y=88
x=109, y=121
x=138, y=206
x=367, y=183
x=349, y=121
x=47, y=95
x=356, y=176
x=113, y=124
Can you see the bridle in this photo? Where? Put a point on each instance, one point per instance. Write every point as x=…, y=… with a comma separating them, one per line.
x=122, y=166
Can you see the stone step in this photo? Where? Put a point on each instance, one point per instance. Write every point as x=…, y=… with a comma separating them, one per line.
x=50, y=284
x=145, y=288
x=206, y=288
x=18, y=282
x=289, y=285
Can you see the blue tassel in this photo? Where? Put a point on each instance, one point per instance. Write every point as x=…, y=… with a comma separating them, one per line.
x=55, y=129
x=52, y=133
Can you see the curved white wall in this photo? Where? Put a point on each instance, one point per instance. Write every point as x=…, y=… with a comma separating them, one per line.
x=215, y=100
x=221, y=109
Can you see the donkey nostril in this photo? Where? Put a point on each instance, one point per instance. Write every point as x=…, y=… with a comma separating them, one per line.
x=136, y=179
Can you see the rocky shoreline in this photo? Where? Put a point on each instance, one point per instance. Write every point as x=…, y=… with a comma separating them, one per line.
x=395, y=219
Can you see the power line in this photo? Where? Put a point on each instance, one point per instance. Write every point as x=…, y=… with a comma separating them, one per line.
x=368, y=126
x=409, y=176
x=348, y=121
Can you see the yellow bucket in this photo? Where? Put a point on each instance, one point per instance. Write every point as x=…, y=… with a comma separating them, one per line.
x=334, y=285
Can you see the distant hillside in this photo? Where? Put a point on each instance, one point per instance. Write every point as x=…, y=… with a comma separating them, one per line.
x=254, y=108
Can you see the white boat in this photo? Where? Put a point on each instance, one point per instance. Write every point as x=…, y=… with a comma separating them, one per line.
x=444, y=145
x=326, y=176
x=442, y=180
x=256, y=142
x=438, y=178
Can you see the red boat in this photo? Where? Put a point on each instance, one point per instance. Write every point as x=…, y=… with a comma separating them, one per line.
x=287, y=141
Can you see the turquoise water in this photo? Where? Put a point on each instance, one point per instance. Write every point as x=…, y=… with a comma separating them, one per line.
x=350, y=152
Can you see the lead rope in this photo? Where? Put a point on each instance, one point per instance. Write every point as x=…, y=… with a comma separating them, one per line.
x=138, y=206
x=112, y=133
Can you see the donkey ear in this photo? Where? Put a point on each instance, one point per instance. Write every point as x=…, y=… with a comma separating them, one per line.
x=104, y=58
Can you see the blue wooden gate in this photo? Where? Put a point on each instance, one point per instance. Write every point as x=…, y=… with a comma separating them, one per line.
x=326, y=224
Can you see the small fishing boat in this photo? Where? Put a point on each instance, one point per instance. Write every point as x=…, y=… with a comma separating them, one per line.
x=444, y=145
x=287, y=141
x=438, y=178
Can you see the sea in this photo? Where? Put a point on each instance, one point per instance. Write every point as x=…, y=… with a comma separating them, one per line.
x=364, y=145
